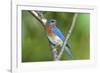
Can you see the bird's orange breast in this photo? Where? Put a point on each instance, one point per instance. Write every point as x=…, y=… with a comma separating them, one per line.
x=53, y=35
x=49, y=29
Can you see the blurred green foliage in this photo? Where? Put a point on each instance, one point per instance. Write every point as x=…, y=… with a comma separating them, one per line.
x=35, y=46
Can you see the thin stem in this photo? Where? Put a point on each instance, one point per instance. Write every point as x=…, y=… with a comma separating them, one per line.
x=67, y=36
x=55, y=53
x=40, y=17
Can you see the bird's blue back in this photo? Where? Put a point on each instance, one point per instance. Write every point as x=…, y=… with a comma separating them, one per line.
x=58, y=33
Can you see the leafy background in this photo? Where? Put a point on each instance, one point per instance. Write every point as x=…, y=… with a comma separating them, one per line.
x=35, y=46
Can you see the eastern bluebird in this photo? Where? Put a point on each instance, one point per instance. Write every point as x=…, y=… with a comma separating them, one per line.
x=55, y=36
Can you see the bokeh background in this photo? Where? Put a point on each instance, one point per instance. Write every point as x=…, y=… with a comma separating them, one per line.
x=35, y=46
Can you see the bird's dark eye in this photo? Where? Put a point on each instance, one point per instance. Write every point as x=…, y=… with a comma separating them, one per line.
x=52, y=21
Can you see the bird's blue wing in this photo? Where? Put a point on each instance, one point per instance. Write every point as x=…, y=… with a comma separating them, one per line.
x=58, y=33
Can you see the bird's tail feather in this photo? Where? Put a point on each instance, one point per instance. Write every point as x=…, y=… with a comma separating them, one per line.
x=69, y=52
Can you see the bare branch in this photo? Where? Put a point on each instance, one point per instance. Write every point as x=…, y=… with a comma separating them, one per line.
x=55, y=53
x=68, y=35
x=39, y=16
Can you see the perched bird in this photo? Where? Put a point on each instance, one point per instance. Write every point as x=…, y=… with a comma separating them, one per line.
x=56, y=37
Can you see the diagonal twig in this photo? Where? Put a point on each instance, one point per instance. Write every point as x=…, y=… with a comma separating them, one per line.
x=40, y=17
x=67, y=36
x=54, y=51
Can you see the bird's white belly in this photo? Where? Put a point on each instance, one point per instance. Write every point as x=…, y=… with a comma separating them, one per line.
x=55, y=40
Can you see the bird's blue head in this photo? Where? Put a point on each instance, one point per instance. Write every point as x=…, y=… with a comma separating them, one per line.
x=51, y=22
